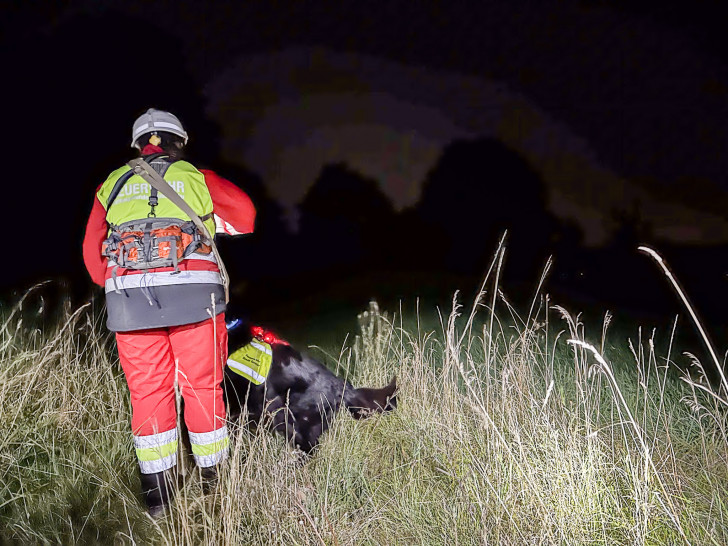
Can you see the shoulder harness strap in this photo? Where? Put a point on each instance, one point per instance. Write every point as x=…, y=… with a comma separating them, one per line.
x=158, y=166
x=139, y=167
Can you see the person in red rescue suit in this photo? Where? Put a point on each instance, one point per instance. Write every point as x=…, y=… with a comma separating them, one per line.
x=169, y=321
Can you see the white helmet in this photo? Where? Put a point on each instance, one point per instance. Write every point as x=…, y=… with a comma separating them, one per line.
x=156, y=120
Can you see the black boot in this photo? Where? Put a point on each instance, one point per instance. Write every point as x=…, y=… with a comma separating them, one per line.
x=157, y=490
x=209, y=479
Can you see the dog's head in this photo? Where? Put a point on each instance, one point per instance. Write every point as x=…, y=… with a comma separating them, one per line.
x=364, y=402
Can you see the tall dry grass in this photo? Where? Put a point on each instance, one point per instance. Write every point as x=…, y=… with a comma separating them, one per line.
x=509, y=430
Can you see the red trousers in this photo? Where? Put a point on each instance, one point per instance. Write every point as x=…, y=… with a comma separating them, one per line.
x=195, y=354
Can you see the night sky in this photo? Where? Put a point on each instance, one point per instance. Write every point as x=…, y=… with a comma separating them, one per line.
x=391, y=140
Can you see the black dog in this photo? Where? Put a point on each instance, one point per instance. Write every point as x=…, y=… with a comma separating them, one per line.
x=300, y=396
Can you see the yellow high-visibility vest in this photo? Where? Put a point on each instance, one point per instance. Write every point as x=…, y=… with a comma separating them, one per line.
x=132, y=201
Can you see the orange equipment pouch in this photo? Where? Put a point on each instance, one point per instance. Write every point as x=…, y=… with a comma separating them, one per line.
x=153, y=242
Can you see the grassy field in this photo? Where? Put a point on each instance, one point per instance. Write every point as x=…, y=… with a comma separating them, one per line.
x=511, y=429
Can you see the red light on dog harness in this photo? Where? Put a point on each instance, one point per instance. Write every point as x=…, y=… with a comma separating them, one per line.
x=265, y=335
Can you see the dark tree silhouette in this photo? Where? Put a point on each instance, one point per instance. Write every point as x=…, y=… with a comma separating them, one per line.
x=477, y=190
x=632, y=229
x=345, y=221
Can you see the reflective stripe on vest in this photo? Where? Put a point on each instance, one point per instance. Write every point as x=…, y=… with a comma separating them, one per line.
x=161, y=278
x=132, y=202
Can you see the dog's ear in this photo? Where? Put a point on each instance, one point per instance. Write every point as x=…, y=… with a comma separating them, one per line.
x=364, y=402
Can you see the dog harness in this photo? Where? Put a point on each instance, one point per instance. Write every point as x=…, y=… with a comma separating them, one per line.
x=253, y=361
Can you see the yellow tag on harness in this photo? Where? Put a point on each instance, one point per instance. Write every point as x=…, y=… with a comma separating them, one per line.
x=252, y=361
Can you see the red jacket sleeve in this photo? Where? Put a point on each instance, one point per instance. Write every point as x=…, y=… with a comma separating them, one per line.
x=233, y=209
x=96, y=229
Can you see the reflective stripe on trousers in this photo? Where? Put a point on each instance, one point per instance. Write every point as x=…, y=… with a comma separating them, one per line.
x=156, y=452
x=209, y=448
